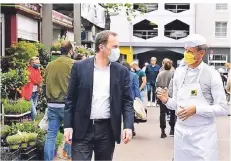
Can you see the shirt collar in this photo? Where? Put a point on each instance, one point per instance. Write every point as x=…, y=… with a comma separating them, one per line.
x=198, y=67
x=104, y=67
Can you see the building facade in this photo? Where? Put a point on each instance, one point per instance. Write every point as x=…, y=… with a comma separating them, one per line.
x=47, y=23
x=213, y=22
x=162, y=29
x=159, y=32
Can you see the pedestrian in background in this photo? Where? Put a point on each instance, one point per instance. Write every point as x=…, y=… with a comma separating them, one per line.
x=152, y=71
x=32, y=89
x=142, y=78
x=162, y=81
x=57, y=77
x=98, y=95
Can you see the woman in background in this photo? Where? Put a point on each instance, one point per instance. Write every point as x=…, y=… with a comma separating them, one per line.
x=31, y=90
x=163, y=81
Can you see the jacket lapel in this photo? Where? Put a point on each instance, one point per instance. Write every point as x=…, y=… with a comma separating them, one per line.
x=90, y=76
x=113, y=78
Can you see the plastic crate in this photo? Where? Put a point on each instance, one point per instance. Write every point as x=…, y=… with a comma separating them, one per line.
x=7, y=154
x=26, y=155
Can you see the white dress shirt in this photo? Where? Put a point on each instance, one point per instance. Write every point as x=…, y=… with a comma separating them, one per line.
x=212, y=89
x=100, y=107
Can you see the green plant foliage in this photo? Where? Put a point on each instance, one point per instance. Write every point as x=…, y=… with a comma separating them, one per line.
x=129, y=9
x=5, y=130
x=14, y=139
x=84, y=50
x=29, y=127
x=25, y=137
x=11, y=80
x=42, y=102
x=44, y=57
x=23, y=50
x=16, y=107
x=59, y=140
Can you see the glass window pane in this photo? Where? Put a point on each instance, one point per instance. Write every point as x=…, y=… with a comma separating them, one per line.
x=217, y=30
x=224, y=24
x=224, y=30
x=223, y=34
x=218, y=24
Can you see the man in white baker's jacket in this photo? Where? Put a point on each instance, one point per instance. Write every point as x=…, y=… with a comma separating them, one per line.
x=198, y=97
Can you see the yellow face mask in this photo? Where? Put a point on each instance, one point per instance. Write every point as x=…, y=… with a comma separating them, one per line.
x=189, y=58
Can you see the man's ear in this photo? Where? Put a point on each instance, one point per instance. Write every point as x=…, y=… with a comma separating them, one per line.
x=101, y=47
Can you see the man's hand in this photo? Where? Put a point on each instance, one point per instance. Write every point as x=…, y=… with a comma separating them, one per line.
x=68, y=135
x=127, y=135
x=186, y=112
x=162, y=94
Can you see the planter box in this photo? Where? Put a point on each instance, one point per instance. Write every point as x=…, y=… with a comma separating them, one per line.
x=9, y=119
x=7, y=154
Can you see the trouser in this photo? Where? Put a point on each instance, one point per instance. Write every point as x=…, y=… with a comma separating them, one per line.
x=163, y=112
x=34, y=102
x=151, y=88
x=55, y=117
x=98, y=138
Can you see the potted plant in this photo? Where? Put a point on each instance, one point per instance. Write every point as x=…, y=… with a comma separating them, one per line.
x=32, y=138
x=81, y=49
x=16, y=111
x=14, y=141
x=25, y=140
x=5, y=130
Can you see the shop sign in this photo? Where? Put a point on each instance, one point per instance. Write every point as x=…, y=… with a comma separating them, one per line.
x=30, y=8
x=62, y=19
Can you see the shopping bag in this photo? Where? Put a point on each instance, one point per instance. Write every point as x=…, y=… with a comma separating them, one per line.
x=44, y=122
x=139, y=108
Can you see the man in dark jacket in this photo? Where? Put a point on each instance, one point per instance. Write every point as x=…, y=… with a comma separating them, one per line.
x=98, y=94
x=152, y=71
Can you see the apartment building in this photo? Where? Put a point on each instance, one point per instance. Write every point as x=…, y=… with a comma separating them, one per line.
x=213, y=22
x=162, y=29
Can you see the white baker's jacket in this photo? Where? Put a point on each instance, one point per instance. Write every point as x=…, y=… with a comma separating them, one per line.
x=212, y=87
x=195, y=138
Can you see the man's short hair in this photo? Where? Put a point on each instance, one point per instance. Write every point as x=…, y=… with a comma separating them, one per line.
x=66, y=46
x=134, y=63
x=153, y=58
x=102, y=38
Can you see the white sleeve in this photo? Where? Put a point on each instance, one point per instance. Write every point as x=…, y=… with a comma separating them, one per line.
x=171, y=103
x=220, y=105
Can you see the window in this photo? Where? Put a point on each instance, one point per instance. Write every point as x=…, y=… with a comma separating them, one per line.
x=222, y=6
x=145, y=29
x=177, y=7
x=217, y=60
x=145, y=7
x=220, y=29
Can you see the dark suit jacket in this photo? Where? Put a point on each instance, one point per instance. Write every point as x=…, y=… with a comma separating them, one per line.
x=79, y=98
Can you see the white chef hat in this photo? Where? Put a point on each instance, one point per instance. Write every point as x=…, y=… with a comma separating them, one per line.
x=195, y=40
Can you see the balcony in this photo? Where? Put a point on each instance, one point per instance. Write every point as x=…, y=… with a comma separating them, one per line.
x=177, y=7
x=176, y=30
x=145, y=30
x=145, y=7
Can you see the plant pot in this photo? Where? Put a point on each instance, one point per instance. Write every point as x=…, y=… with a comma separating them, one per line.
x=24, y=145
x=32, y=143
x=14, y=147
